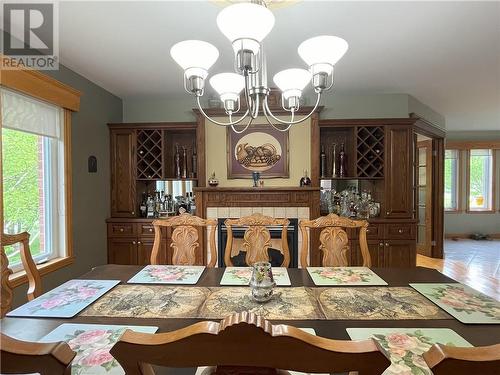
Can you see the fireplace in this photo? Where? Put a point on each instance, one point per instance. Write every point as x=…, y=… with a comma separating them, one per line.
x=275, y=231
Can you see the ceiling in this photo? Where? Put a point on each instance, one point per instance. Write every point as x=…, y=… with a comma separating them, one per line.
x=445, y=54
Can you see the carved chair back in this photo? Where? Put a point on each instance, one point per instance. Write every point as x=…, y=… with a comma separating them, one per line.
x=249, y=344
x=34, y=281
x=450, y=360
x=334, y=242
x=23, y=357
x=184, y=239
x=257, y=238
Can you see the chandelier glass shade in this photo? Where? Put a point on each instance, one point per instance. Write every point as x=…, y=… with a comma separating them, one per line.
x=246, y=25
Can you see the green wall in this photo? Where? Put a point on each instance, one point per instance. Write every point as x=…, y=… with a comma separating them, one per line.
x=471, y=223
x=90, y=190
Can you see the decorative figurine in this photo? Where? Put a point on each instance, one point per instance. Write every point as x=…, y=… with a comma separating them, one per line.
x=322, y=162
x=305, y=180
x=184, y=162
x=177, y=160
x=213, y=181
x=256, y=178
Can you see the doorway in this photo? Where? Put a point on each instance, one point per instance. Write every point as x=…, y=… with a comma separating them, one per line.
x=424, y=195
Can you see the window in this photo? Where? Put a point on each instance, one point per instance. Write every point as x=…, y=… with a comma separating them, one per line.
x=451, y=180
x=480, y=176
x=33, y=175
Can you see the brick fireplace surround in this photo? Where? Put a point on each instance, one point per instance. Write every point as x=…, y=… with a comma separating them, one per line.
x=280, y=202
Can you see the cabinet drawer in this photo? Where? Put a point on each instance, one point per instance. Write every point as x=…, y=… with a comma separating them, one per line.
x=121, y=229
x=399, y=231
x=145, y=229
x=374, y=232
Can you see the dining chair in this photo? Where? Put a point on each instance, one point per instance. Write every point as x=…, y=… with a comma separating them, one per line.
x=257, y=241
x=450, y=360
x=249, y=344
x=334, y=242
x=34, y=281
x=184, y=239
x=23, y=357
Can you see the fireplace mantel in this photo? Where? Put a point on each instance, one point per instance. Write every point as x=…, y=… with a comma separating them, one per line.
x=258, y=197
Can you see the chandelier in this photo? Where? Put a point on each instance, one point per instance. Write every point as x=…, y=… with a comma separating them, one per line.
x=246, y=25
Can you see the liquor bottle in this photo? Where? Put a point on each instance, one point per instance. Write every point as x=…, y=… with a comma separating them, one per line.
x=342, y=161
x=322, y=162
x=150, y=207
x=177, y=160
x=184, y=162
x=193, y=204
x=194, y=162
x=305, y=180
x=143, y=208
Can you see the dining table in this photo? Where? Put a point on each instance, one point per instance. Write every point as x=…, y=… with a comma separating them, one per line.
x=33, y=329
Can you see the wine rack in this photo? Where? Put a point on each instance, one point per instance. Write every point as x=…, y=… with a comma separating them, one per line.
x=149, y=154
x=370, y=151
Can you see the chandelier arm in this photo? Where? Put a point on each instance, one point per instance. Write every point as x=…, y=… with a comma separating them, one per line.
x=250, y=120
x=296, y=121
x=269, y=121
x=230, y=123
x=254, y=109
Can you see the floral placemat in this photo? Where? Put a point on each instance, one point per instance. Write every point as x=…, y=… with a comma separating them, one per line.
x=150, y=301
x=66, y=300
x=161, y=274
x=332, y=276
x=92, y=343
x=375, y=303
x=295, y=303
x=242, y=275
x=405, y=346
x=464, y=303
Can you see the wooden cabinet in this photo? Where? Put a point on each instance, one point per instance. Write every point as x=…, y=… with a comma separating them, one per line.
x=123, y=197
x=399, y=252
x=144, y=249
x=375, y=247
x=398, y=202
x=122, y=250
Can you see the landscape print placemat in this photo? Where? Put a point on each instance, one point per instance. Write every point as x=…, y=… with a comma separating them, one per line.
x=286, y=304
x=242, y=275
x=161, y=274
x=92, y=343
x=376, y=303
x=405, y=346
x=150, y=301
x=332, y=276
x=66, y=300
x=464, y=303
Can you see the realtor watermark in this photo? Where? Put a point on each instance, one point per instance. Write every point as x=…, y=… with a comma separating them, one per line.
x=30, y=35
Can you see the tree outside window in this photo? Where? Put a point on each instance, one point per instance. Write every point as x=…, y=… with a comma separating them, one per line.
x=451, y=178
x=480, y=180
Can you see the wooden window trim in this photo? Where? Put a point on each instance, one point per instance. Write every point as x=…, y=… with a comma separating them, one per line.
x=468, y=145
x=459, y=209
x=41, y=86
x=492, y=210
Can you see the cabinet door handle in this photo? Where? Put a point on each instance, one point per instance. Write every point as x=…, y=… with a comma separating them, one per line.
x=387, y=244
x=150, y=229
x=400, y=231
x=133, y=212
x=381, y=244
x=133, y=242
x=121, y=229
x=368, y=231
x=387, y=212
x=138, y=242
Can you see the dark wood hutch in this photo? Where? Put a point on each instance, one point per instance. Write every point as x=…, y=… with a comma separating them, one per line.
x=380, y=158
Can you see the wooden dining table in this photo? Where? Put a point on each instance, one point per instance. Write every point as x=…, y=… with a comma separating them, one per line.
x=477, y=334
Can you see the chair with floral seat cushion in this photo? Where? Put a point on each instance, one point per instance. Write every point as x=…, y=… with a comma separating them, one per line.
x=23, y=357
x=257, y=241
x=450, y=360
x=185, y=239
x=246, y=343
x=334, y=240
x=34, y=281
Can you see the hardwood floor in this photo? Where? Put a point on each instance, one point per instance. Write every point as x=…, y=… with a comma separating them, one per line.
x=474, y=263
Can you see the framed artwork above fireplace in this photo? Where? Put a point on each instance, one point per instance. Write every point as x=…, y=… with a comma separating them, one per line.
x=259, y=149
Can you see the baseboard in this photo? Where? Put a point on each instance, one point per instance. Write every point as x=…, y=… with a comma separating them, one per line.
x=451, y=236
